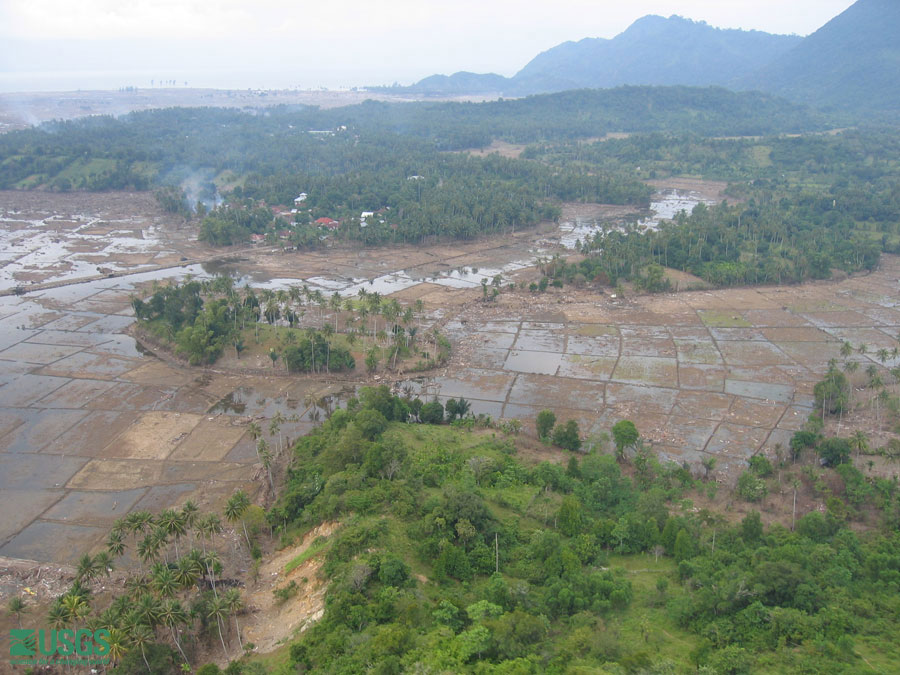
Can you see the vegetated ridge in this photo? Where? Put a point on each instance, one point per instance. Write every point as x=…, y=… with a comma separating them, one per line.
x=653, y=51
x=853, y=61
x=850, y=63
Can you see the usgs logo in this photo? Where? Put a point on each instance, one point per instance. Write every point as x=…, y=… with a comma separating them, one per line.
x=28, y=646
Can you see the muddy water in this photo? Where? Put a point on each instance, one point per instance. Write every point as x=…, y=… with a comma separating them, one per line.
x=665, y=205
x=59, y=249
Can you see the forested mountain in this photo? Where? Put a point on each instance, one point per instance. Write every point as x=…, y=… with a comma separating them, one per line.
x=654, y=50
x=853, y=61
x=460, y=83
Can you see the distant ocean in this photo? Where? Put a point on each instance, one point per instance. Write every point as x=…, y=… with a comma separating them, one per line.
x=225, y=79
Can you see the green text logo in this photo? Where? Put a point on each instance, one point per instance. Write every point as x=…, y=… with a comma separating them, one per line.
x=22, y=642
x=67, y=646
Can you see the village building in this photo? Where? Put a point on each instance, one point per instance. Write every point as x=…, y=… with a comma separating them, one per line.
x=330, y=223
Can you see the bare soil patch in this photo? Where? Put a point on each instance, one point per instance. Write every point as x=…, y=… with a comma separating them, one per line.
x=270, y=623
x=502, y=148
x=708, y=189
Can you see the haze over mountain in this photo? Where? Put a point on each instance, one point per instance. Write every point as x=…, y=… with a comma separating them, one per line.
x=851, y=62
x=655, y=51
x=652, y=51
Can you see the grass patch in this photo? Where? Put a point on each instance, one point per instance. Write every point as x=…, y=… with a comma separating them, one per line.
x=718, y=319
x=761, y=155
x=646, y=624
x=595, y=330
x=228, y=180
x=31, y=182
x=85, y=168
x=317, y=546
x=277, y=662
x=815, y=306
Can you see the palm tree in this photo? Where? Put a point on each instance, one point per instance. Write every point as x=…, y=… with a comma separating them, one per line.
x=462, y=407
x=141, y=635
x=188, y=569
x=164, y=581
x=294, y=294
x=311, y=335
x=147, y=610
x=266, y=458
x=75, y=607
x=213, y=566
x=209, y=526
x=275, y=428
x=884, y=398
x=235, y=604
x=87, y=569
x=218, y=608
x=363, y=312
x=883, y=355
x=117, y=640
x=172, y=524
x=104, y=562
x=57, y=617
x=862, y=349
x=148, y=550
x=254, y=430
x=327, y=331
x=846, y=349
x=144, y=520
x=135, y=587
x=795, y=484
x=171, y=615
x=319, y=300
x=860, y=442
x=871, y=371
x=335, y=304
x=391, y=311
x=119, y=527
x=261, y=448
x=895, y=373
x=235, y=508
x=18, y=607
x=709, y=463
x=190, y=513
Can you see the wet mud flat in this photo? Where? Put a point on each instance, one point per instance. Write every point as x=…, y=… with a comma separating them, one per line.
x=71, y=236
x=91, y=426
x=727, y=373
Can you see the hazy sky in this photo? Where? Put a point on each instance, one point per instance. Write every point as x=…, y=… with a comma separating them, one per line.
x=340, y=42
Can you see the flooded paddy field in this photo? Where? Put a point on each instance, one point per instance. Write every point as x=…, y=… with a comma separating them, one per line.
x=728, y=373
x=70, y=236
x=92, y=426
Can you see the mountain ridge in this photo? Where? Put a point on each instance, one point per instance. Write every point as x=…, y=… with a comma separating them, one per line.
x=850, y=63
x=698, y=55
x=819, y=72
x=654, y=51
